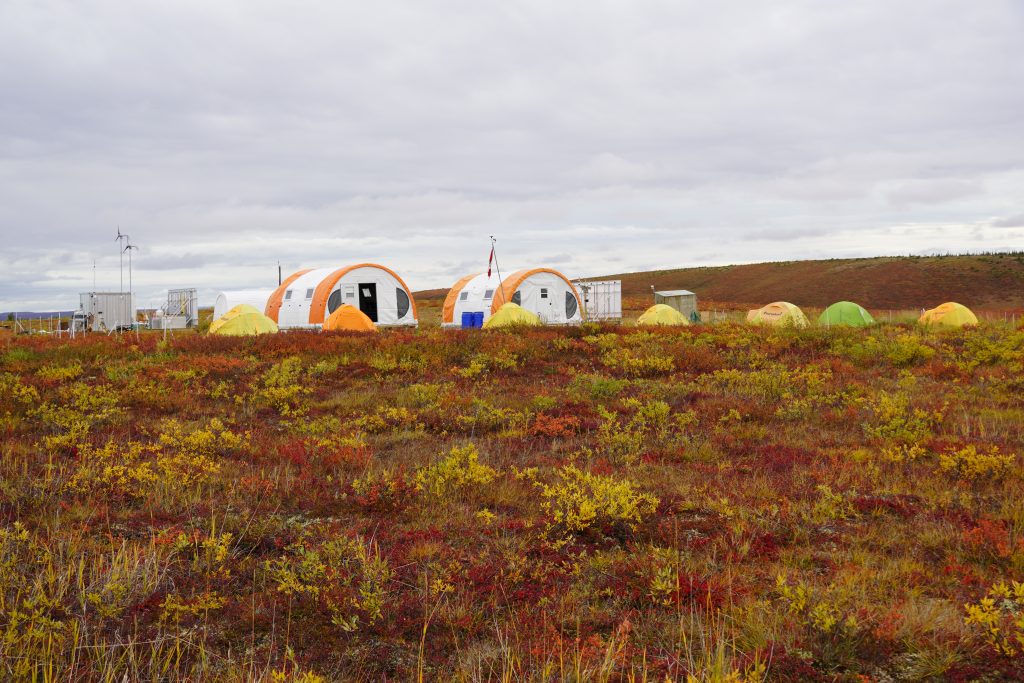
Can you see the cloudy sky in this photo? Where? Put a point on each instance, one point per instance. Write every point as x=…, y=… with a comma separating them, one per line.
x=597, y=137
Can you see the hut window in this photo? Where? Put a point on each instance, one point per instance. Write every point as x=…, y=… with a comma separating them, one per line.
x=333, y=301
x=309, y=293
x=287, y=295
x=489, y=294
x=517, y=298
x=570, y=305
x=403, y=301
x=543, y=292
x=350, y=291
x=463, y=296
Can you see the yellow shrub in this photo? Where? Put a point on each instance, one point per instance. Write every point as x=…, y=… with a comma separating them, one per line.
x=582, y=500
x=1000, y=616
x=59, y=373
x=346, y=576
x=893, y=419
x=190, y=457
x=971, y=463
x=460, y=468
x=116, y=470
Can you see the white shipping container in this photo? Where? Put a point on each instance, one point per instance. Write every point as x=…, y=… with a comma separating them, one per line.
x=602, y=299
x=107, y=311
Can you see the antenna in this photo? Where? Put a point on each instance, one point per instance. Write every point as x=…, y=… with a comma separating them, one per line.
x=120, y=239
x=131, y=296
x=501, y=283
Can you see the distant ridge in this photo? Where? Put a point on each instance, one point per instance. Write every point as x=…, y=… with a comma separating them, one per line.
x=989, y=281
x=986, y=281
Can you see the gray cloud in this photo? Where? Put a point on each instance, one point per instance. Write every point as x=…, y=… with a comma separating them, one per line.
x=1009, y=222
x=225, y=137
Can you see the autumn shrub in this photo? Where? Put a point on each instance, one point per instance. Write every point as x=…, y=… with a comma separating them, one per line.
x=460, y=468
x=115, y=470
x=893, y=418
x=346, y=577
x=79, y=410
x=283, y=389
x=971, y=463
x=190, y=457
x=999, y=617
x=578, y=501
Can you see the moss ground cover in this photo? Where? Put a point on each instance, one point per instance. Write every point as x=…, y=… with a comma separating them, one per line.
x=710, y=503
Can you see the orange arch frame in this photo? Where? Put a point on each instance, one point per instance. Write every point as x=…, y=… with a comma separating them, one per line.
x=274, y=302
x=448, y=310
x=512, y=282
x=318, y=306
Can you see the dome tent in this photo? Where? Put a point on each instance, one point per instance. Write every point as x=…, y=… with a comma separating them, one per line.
x=349, y=318
x=845, y=313
x=778, y=314
x=542, y=291
x=230, y=314
x=243, y=320
x=662, y=314
x=225, y=301
x=306, y=298
x=512, y=315
x=949, y=314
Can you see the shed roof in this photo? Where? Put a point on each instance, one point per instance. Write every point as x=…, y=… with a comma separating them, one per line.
x=676, y=292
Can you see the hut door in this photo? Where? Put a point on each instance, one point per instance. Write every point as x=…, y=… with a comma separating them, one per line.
x=368, y=299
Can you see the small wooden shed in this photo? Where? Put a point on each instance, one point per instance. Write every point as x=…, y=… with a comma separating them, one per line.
x=682, y=300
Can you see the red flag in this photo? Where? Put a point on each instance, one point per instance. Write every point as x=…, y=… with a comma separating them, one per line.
x=490, y=261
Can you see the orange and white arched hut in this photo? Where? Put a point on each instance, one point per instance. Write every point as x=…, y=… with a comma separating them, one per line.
x=308, y=297
x=543, y=291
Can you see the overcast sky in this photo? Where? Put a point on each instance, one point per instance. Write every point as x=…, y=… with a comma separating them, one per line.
x=595, y=137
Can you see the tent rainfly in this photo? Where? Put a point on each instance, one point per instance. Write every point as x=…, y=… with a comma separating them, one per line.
x=662, y=314
x=511, y=315
x=241, y=320
x=779, y=314
x=308, y=297
x=543, y=291
x=845, y=313
x=949, y=314
x=349, y=318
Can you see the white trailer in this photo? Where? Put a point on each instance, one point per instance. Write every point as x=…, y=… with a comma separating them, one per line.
x=105, y=311
x=602, y=299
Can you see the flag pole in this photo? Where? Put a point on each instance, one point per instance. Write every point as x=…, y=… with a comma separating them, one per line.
x=501, y=283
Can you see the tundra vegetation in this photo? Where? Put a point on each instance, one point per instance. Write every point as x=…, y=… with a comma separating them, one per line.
x=712, y=503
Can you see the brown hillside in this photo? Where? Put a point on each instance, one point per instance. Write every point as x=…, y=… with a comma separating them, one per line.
x=993, y=281
x=990, y=281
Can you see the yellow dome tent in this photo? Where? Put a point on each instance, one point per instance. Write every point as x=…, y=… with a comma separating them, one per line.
x=662, y=314
x=511, y=315
x=350, y=318
x=949, y=314
x=779, y=314
x=241, y=320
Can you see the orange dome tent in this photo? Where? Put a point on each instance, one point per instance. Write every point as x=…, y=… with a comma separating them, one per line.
x=350, y=318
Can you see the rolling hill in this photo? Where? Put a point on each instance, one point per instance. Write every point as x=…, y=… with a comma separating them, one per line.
x=983, y=281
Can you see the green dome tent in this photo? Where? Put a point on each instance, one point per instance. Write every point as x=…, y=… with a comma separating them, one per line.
x=845, y=313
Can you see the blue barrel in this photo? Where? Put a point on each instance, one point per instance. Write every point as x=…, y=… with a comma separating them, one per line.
x=478, y=319
x=467, y=320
